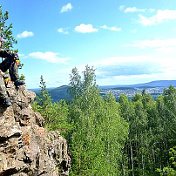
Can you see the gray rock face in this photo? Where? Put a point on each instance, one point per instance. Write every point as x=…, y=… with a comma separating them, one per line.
x=26, y=148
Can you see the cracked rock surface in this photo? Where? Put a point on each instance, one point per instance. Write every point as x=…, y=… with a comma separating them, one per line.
x=26, y=148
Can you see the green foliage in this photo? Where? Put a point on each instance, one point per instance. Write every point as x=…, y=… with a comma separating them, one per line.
x=128, y=138
x=6, y=33
x=99, y=132
x=75, y=83
x=22, y=77
x=171, y=169
x=6, y=30
x=44, y=99
x=151, y=133
x=55, y=114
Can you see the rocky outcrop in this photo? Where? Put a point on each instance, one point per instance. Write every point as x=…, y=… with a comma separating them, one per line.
x=26, y=148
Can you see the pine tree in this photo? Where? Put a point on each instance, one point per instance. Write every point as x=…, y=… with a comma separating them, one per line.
x=6, y=30
x=55, y=114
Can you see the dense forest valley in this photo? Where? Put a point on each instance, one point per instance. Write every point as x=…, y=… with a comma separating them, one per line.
x=133, y=137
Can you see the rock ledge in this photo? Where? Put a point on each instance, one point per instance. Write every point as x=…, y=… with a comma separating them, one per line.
x=26, y=148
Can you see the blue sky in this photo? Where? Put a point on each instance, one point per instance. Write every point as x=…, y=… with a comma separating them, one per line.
x=127, y=41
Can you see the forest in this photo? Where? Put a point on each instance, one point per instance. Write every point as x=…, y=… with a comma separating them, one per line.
x=133, y=137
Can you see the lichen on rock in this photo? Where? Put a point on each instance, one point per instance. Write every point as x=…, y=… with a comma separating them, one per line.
x=26, y=148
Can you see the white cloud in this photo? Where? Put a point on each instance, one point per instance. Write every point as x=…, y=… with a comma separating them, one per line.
x=67, y=7
x=159, y=17
x=155, y=43
x=62, y=30
x=85, y=28
x=89, y=28
x=134, y=9
x=158, y=66
x=49, y=56
x=121, y=60
x=25, y=34
x=112, y=28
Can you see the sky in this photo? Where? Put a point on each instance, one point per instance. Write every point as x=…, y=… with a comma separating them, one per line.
x=126, y=41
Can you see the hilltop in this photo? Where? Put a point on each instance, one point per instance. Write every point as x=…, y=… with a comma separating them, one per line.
x=157, y=83
x=154, y=88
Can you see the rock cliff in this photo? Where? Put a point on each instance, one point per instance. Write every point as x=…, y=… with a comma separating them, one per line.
x=26, y=148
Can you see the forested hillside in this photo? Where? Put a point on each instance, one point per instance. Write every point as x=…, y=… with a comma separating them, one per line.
x=154, y=88
x=129, y=137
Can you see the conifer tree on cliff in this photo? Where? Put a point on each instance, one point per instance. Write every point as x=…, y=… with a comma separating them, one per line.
x=6, y=31
x=54, y=113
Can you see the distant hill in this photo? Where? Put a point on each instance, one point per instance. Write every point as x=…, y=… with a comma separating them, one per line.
x=159, y=83
x=61, y=92
x=57, y=93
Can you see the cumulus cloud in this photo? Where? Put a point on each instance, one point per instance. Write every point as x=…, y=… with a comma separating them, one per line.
x=112, y=28
x=67, y=7
x=85, y=28
x=134, y=9
x=62, y=30
x=159, y=17
x=25, y=34
x=49, y=56
x=89, y=28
